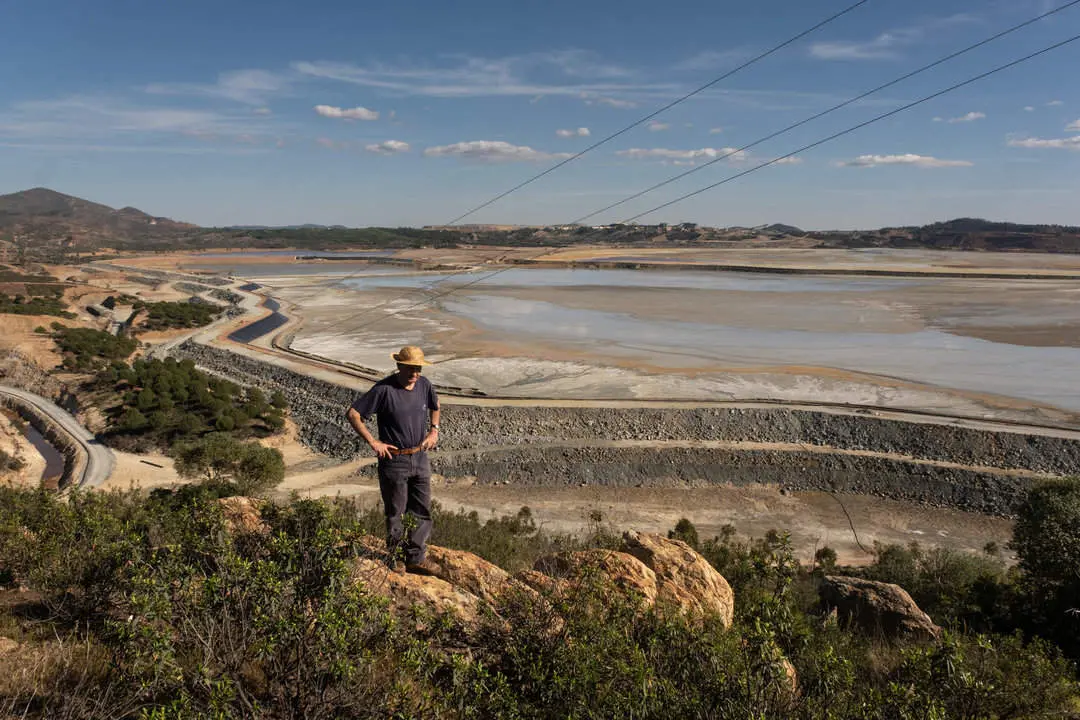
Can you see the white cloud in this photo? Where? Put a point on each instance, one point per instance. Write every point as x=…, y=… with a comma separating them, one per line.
x=593, y=99
x=492, y=151
x=789, y=161
x=1073, y=126
x=923, y=161
x=388, y=147
x=579, y=132
x=888, y=44
x=716, y=130
x=356, y=113
x=707, y=153
x=252, y=87
x=969, y=117
x=1069, y=143
x=263, y=111
x=561, y=73
x=1029, y=108
x=1055, y=103
x=657, y=126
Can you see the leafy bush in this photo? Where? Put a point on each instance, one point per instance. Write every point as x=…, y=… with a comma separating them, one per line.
x=217, y=459
x=953, y=587
x=1047, y=542
x=189, y=619
x=49, y=304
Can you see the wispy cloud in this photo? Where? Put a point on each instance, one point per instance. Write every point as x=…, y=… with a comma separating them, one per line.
x=492, y=151
x=1055, y=103
x=706, y=153
x=356, y=113
x=889, y=44
x=83, y=117
x=1029, y=108
x=922, y=161
x=969, y=117
x=716, y=130
x=579, y=132
x=556, y=73
x=1069, y=143
x=657, y=126
x=388, y=147
x=263, y=111
x=1073, y=126
x=252, y=87
x=593, y=99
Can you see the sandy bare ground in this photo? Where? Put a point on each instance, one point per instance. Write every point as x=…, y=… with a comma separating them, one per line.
x=15, y=444
x=813, y=519
x=144, y=471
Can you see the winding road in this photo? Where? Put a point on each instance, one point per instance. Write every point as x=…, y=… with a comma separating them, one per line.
x=99, y=459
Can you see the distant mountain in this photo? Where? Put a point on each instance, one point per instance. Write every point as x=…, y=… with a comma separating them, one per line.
x=305, y=226
x=963, y=234
x=41, y=215
x=781, y=229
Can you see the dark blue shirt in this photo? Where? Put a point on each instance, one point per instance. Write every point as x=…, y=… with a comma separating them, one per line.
x=402, y=414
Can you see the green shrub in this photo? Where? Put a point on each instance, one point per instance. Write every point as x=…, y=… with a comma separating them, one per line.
x=219, y=459
x=1046, y=539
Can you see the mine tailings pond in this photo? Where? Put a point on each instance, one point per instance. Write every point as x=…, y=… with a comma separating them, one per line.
x=266, y=325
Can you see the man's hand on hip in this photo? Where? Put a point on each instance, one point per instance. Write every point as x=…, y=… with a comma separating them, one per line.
x=383, y=449
x=431, y=440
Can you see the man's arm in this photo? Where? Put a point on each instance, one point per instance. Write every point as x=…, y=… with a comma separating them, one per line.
x=432, y=438
x=357, y=421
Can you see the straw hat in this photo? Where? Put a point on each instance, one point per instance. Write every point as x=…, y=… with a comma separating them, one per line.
x=410, y=355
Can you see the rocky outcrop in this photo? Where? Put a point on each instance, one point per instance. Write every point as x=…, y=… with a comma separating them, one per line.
x=876, y=607
x=685, y=580
x=472, y=573
x=623, y=571
x=408, y=593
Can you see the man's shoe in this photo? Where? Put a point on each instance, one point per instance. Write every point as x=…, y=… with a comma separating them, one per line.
x=421, y=568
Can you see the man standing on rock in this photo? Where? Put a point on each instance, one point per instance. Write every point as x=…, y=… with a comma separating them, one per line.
x=402, y=403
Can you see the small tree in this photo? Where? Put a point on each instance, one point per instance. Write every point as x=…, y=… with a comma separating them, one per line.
x=219, y=459
x=1046, y=539
x=685, y=531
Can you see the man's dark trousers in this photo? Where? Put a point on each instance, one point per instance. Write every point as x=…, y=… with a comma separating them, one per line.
x=405, y=484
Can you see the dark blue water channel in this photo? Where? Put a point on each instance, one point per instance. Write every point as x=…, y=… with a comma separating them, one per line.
x=267, y=325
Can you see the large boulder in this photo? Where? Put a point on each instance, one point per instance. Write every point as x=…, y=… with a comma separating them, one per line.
x=685, y=580
x=407, y=592
x=876, y=607
x=621, y=570
x=472, y=574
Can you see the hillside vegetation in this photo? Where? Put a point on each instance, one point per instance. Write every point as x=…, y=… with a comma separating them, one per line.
x=162, y=607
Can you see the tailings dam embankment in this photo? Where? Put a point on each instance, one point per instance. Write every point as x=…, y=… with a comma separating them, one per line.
x=970, y=469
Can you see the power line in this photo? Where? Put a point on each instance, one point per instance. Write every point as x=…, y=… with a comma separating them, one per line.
x=834, y=108
x=616, y=134
x=861, y=125
x=830, y=138
x=771, y=136
x=653, y=114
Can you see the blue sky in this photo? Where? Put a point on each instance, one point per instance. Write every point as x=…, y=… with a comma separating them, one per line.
x=410, y=113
